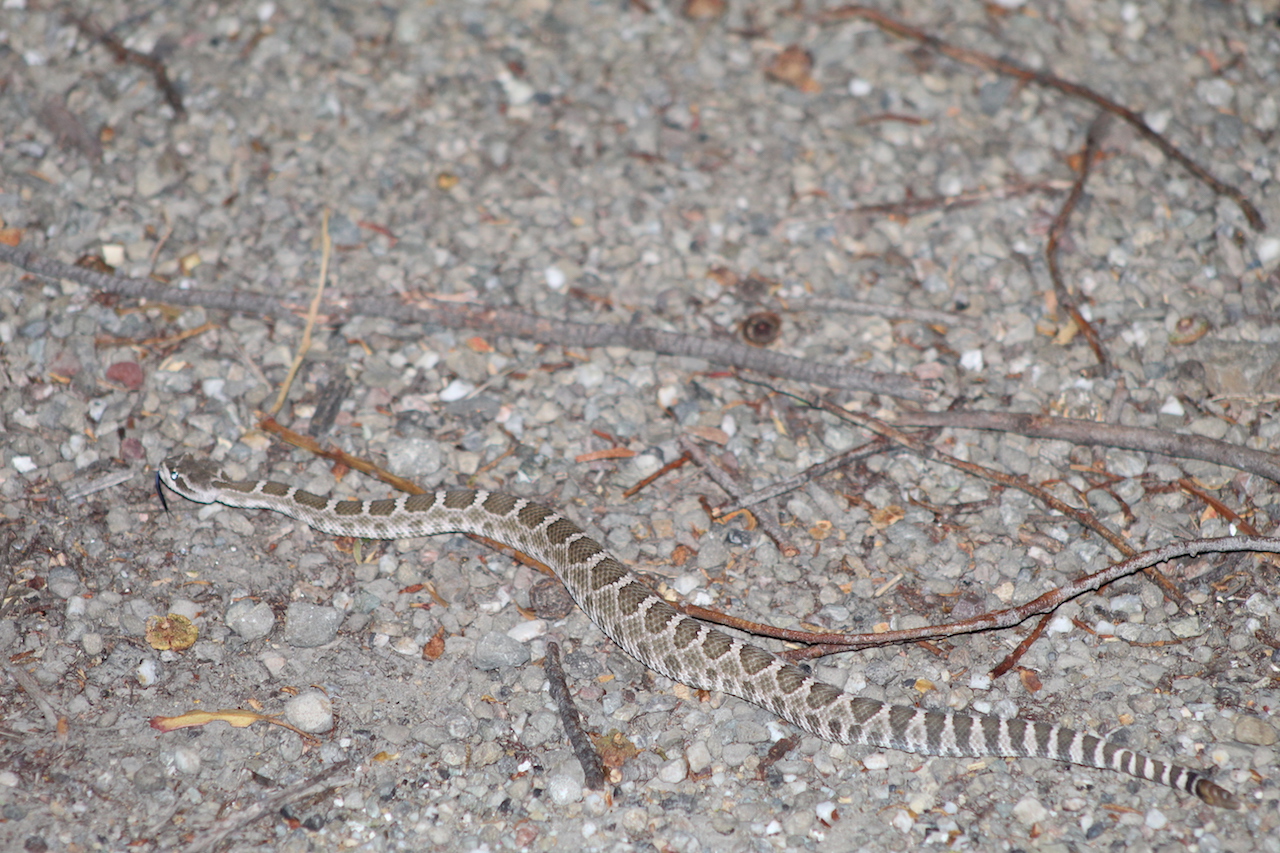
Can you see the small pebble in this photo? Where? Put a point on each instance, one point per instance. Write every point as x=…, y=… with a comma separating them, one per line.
x=1255, y=730
x=698, y=756
x=1029, y=811
x=92, y=643
x=186, y=760
x=564, y=789
x=495, y=650
x=672, y=771
x=148, y=672
x=311, y=711
x=310, y=625
x=127, y=373
x=251, y=620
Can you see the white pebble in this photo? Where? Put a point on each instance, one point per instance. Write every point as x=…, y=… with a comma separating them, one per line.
x=564, y=790
x=148, y=672
x=407, y=647
x=672, y=771
x=311, y=711
x=555, y=278
x=456, y=390
x=23, y=464
x=186, y=760
x=1172, y=407
x=971, y=360
x=1156, y=819
x=528, y=630
x=876, y=761
x=1029, y=810
x=979, y=681
x=1060, y=625
x=1268, y=250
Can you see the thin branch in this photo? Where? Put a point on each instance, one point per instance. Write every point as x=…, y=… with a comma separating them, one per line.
x=1092, y=140
x=497, y=321
x=826, y=644
x=1041, y=78
x=326, y=780
x=571, y=718
x=1081, y=517
x=913, y=206
x=1011, y=659
x=889, y=312
x=129, y=56
x=767, y=521
x=1089, y=433
x=781, y=487
x=38, y=696
x=305, y=344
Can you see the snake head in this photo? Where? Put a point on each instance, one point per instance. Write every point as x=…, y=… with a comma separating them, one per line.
x=194, y=478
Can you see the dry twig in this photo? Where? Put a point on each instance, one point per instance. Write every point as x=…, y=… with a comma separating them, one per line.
x=1051, y=81
x=1109, y=435
x=497, y=321
x=825, y=644
x=132, y=57
x=768, y=523
x=592, y=767
x=305, y=344
x=1092, y=141
x=1085, y=519
x=326, y=780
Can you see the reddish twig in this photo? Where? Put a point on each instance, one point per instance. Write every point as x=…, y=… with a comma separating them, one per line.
x=808, y=475
x=678, y=462
x=913, y=206
x=825, y=644
x=1219, y=507
x=1011, y=659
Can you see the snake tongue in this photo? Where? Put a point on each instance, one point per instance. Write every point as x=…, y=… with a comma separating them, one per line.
x=160, y=491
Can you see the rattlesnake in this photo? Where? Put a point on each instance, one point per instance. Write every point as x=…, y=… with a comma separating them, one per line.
x=678, y=646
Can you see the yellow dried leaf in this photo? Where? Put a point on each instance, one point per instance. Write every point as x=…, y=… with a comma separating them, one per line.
x=171, y=633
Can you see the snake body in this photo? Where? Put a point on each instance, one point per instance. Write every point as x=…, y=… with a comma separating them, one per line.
x=678, y=646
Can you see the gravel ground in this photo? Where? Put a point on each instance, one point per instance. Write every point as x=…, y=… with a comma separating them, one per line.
x=606, y=162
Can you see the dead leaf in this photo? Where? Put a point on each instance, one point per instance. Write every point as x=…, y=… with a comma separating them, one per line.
x=792, y=66
x=882, y=518
x=234, y=716
x=614, y=748
x=715, y=435
x=704, y=10
x=435, y=646
x=171, y=633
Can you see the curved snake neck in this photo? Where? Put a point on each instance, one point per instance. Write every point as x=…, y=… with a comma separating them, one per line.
x=678, y=646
